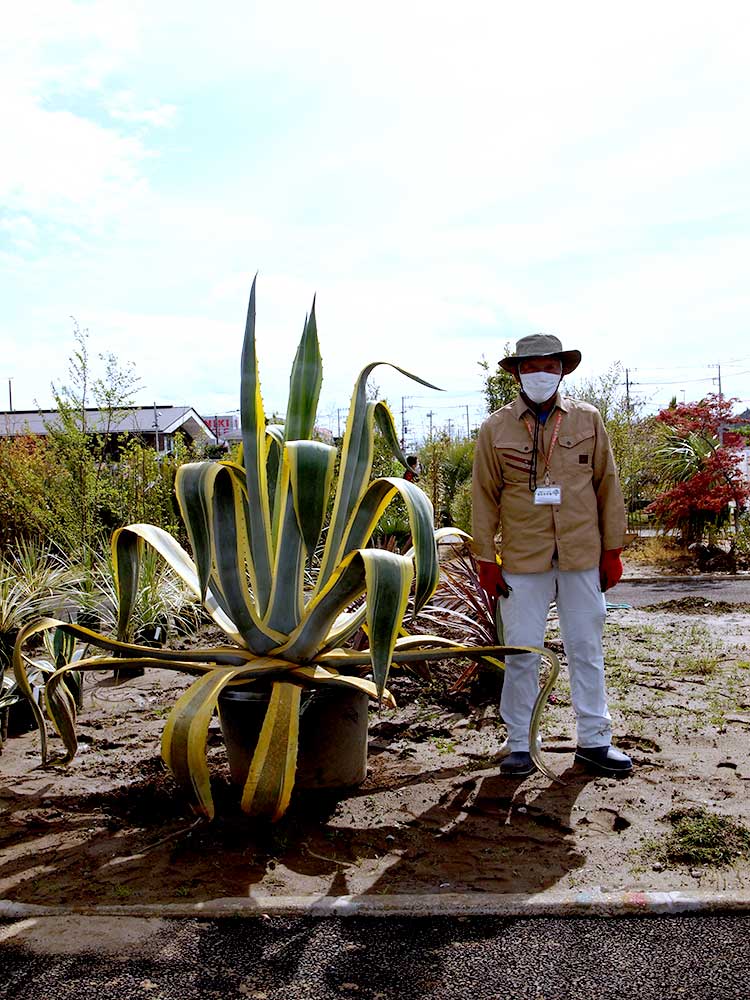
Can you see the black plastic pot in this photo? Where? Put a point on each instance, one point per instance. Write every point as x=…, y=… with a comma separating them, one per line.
x=153, y=635
x=332, y=735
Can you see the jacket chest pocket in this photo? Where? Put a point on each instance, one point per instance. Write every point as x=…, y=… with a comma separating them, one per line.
x=577, y=452
x=514, y=458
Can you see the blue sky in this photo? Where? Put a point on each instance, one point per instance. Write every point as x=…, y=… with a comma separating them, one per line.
x=445, y=179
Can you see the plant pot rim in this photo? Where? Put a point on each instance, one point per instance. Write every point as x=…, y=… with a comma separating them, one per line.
x=260, y=694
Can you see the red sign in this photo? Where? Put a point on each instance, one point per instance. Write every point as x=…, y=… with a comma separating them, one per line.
x=222, y=425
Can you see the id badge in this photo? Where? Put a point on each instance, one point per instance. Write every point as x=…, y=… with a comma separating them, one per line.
x=548, y=495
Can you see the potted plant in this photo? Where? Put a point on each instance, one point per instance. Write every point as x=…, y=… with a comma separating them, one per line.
x=255, y=526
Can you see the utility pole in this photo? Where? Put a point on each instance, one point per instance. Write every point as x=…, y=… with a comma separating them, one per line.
x=338, y=416
x=403, y=421
x=156, y=428
x=450, y=428
x=430, y=415
x=468, y=429
x=627, y=392
x=10, y=394
x=718, y=379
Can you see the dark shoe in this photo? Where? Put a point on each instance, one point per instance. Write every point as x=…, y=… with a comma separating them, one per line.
x=604, y=760
x=517, y=764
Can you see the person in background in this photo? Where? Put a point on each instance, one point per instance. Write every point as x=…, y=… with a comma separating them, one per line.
x=545, y=476
x=413, y=468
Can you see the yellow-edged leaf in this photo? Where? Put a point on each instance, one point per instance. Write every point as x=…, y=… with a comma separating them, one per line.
x=174, y=554
x=317, y=674
x=183, y=745
x=378, y=495
x=270, y=779
x=253, y=422
x=285, y=603
x=355, y=468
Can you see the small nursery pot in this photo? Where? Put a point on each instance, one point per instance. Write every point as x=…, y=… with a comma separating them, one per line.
x=154, y=635
x=332, y=734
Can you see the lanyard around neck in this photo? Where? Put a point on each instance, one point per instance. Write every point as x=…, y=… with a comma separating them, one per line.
x=534, y=435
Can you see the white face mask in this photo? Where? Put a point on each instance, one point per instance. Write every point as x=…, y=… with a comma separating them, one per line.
x=540, y=386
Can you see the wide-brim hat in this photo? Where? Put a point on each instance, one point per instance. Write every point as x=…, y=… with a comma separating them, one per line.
x=541, y=345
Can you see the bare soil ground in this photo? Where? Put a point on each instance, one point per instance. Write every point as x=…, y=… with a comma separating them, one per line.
x=434, y=813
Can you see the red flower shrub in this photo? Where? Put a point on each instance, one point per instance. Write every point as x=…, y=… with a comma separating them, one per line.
x=707, y=417
x=702, y=498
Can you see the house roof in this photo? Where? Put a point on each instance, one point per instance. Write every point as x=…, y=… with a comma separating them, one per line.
x=133, y=420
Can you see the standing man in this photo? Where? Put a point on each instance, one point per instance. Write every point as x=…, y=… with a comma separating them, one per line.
x=544, y=474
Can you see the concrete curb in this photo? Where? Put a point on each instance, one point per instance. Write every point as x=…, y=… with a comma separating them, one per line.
x=586, y=903
x=692, y=578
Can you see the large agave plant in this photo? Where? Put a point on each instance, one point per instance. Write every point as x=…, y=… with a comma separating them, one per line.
x=253, y=528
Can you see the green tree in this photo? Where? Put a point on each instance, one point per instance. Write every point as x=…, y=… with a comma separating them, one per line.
x=632, y=435
x=446, y=467
x=500, y=388
x=81, y=450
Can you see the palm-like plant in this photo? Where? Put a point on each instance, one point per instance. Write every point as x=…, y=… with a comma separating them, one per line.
x=679, y=457
x=253, y=526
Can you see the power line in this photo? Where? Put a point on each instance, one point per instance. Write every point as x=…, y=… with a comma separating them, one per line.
x=688, y=381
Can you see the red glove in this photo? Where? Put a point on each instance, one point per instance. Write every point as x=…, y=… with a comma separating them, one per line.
x=610, y=568
x=491, y=579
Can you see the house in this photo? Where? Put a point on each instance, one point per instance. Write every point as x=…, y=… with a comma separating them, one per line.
x=153, y=425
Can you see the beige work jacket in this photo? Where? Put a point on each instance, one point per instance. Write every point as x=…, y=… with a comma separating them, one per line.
x=591, y=514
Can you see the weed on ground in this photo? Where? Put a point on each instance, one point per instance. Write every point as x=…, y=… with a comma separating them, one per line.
x=700, y=837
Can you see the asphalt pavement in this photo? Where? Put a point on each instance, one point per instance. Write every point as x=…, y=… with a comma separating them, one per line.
x=651, y=958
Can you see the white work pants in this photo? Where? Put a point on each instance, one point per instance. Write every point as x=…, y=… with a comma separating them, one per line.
x=582, y=609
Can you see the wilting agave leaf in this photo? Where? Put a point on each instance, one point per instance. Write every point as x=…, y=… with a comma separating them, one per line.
x=386, y=578
x=318, y=674
x=174, y=554
x=253, y=423
x=183, y=744
x=61, y=708
x=356, y=465
x=445, y=648
x=271, y=776
x=304, y=384
x=190, y=488
x=19, y=670
x=387, y=427
x=409, y=642
x=379, y=494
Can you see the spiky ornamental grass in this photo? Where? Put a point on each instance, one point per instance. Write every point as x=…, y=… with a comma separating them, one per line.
x=253, y=527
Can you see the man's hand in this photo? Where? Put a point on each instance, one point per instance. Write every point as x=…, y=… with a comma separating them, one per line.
x=491, y=579
x=610, y=568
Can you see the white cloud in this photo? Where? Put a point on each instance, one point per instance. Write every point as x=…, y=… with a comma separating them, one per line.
x=447, y=179
x=60, y=165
